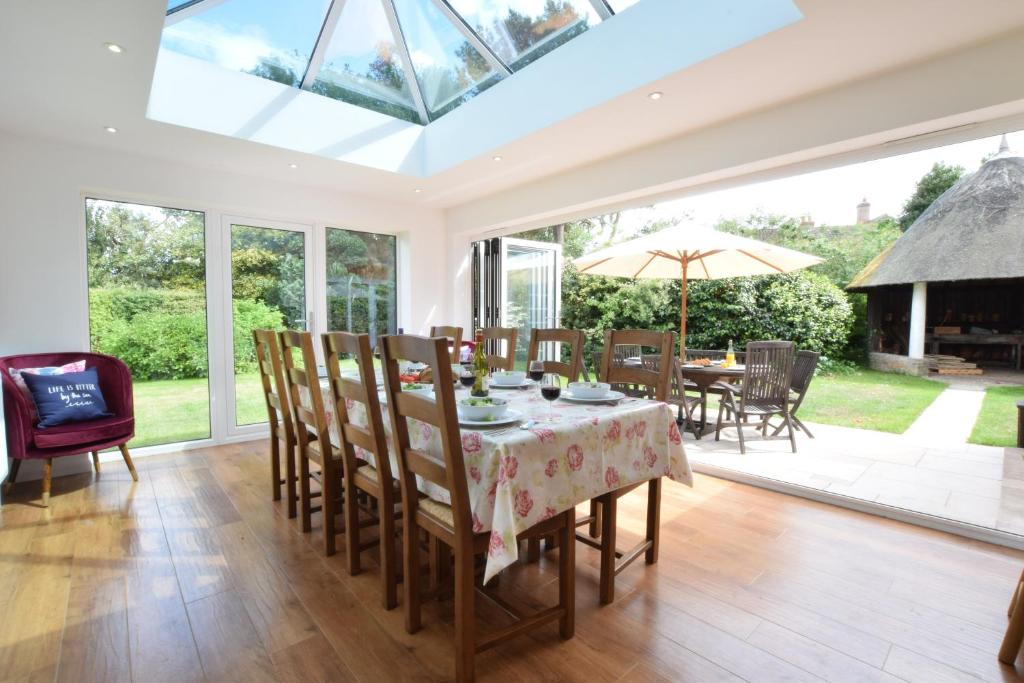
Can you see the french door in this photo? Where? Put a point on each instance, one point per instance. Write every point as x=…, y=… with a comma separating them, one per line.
x=269, y=285
x=517, y=283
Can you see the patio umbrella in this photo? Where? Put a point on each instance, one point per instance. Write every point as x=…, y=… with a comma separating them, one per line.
x=692, y=253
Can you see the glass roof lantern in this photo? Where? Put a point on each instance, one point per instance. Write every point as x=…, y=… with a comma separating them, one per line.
x=411, y=59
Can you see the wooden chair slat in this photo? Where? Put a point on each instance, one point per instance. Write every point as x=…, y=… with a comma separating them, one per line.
x=418, y=408
x=427, y=467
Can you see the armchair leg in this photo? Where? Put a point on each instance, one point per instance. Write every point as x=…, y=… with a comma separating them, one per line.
x=96, y=462
x=12, y=475
x=47, y=476
x=128, y=461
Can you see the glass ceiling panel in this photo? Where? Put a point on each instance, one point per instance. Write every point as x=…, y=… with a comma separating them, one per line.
x=266, y=38
x=363, y=66
x=172, y=4
x=448, y=68
x=520, y=31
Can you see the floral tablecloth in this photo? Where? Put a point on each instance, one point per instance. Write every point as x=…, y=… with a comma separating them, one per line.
x=518, y=477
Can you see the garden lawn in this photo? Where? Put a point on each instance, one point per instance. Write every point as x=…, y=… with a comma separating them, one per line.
x=997, y=422
x=868, y=399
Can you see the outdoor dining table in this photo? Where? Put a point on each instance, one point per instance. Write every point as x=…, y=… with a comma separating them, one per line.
x=547, y=462
x=703, y=376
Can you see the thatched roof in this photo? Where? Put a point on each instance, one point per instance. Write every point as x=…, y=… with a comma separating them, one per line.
x=973, y=231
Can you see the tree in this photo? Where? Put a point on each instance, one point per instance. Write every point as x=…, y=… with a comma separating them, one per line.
x=931, y=185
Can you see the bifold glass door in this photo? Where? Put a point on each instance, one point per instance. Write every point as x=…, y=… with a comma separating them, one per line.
x=517, y=283
x=271, y=276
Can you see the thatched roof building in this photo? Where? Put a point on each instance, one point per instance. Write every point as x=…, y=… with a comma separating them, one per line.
x=953, y=284
x=974, y=231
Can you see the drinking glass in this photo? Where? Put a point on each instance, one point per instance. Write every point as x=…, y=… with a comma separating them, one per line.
x=535, y=370
x=551, y=389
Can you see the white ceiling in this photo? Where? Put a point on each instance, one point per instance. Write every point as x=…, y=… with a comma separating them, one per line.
x=59, y=82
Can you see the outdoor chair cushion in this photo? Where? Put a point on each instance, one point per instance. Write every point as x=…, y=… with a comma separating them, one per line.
x=93, y=431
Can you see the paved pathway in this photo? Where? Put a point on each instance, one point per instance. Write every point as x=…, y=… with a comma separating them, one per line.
x=950, y=418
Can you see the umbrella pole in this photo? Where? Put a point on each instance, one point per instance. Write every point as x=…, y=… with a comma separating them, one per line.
x=682, y=316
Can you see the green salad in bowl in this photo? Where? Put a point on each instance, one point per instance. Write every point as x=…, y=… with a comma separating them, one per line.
x=482, y=409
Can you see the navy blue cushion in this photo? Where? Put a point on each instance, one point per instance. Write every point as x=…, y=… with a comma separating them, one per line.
x=71, y=397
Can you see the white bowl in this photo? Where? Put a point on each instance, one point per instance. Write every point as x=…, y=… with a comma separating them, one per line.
x=589, y=389
x=486, y=408
x=508, y=377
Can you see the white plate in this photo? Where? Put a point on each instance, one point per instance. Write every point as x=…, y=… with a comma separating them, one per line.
x=527, y=383
x=508, y=418
x=610, y=397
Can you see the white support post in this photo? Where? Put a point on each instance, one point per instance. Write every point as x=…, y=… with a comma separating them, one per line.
x=918, y=308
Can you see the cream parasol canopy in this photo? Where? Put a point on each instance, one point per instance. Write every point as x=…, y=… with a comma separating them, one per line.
x=692, y=253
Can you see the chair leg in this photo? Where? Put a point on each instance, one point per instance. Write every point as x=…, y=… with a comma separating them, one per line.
x=532, y=550
x=351, y=511
x=595, y=518
x=567, y=575
x=275, y=466
x=304, y=495
x=12, y=475
x=792, y=432
x=411, y=572
x=722, y=409
x=606, y=591
x=764, y=427
x=96, y=462
x=802, y=426
x=388, y=571
x=465, y=615
x=47, y=477
x=1010, y=648
x=328, y=496
x=653, y=519
x=289, y=473
x=128, y=461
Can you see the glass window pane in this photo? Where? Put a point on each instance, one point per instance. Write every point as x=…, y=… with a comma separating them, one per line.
x=171, y=4
x=266, y=38
x=448, y=69
x=362, y=64
x=520, y=31
x=147, y=306
x=361, y=282
x=268, y=291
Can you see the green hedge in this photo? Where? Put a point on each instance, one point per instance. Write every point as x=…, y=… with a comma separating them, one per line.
x=803, y=307
x=161, y=333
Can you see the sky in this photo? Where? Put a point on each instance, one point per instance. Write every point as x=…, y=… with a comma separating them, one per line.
x=830, y=197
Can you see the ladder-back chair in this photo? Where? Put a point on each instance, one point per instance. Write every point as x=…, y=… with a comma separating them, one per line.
x=312, y=433
x=453, y=334
x=493, y=338
x=452, y=524
x=279, y=415
x=572, y=338
x=376, y=479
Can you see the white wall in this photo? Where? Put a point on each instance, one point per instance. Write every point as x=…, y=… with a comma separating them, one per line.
x=43, y=300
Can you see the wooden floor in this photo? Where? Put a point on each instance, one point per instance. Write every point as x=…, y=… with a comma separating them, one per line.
x=193, y=573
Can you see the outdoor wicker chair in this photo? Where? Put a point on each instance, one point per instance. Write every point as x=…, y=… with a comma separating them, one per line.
x=764, y=391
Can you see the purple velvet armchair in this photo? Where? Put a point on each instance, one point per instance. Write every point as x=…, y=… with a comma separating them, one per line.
x=26, y=442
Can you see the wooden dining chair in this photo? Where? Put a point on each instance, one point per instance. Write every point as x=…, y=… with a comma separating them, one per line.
x=493, y=339
x=1014, y=635
x=572, y=338
x=374, y=480
x=454, y=335
x=313, y=442
x=452, y=524
x=804, y=365
x=763, y=392
x=279, y=415
x=603, y=519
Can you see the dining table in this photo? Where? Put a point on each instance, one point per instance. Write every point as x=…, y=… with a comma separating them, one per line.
x=555, y=456
x=703, y=377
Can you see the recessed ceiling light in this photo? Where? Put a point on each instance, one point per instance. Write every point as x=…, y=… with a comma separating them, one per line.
x=656, y=95
x=110, y=129
x=417, y=190
x=293, y=165
x=114, y=47
x=497, y=157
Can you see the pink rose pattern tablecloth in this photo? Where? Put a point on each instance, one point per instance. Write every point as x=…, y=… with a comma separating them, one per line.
x=520, y=477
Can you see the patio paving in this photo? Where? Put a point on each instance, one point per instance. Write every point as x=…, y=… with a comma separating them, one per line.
x=929, y=469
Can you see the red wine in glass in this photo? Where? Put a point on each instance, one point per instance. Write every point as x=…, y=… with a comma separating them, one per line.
x=551, y=392
x=467, y=380
x=536, y=370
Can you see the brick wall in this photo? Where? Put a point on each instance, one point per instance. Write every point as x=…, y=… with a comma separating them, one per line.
x=904, y=365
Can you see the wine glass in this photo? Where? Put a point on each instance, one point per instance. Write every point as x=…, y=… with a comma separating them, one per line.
x=467, y=377
x=551, y=389
x=535, y=370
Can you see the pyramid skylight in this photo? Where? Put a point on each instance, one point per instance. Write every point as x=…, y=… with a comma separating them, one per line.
x=411, y=59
